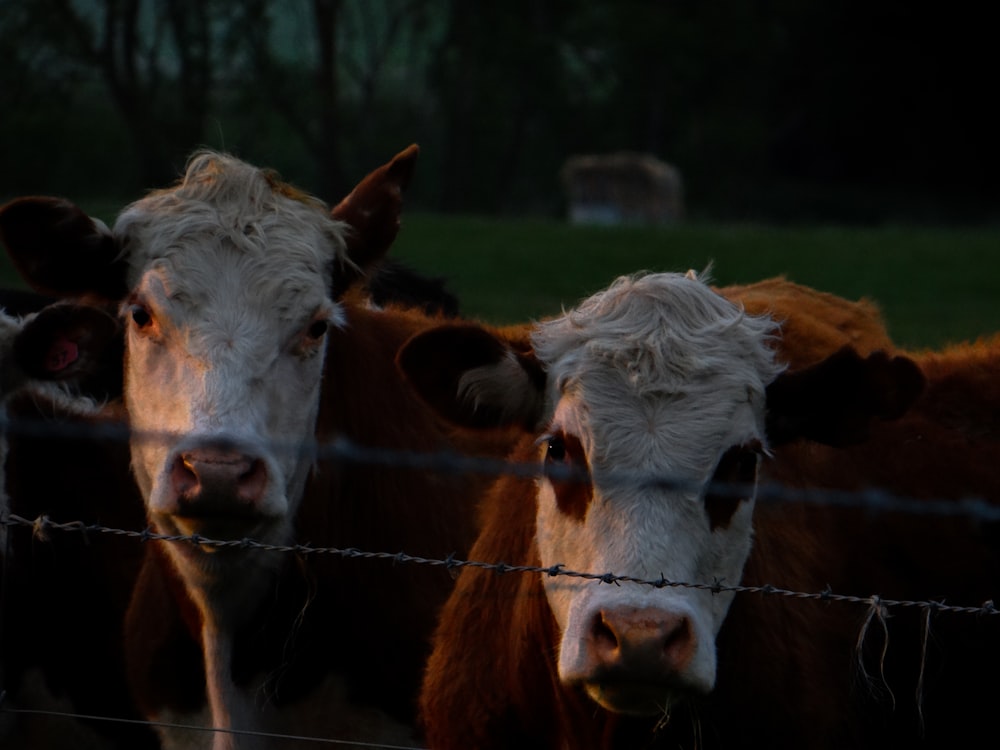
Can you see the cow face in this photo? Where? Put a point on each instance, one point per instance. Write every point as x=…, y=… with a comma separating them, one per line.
x=656, y=388
x=230, y=277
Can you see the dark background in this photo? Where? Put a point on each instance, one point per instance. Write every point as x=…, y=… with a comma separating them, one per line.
x=781, y=111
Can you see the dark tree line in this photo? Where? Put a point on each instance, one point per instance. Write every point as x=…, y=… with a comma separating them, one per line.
x=772, y=109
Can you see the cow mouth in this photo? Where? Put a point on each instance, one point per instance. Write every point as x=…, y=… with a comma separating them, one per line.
x=635, y=698
x=215, y=533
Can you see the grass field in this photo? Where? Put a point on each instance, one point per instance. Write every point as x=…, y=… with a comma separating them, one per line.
x=933, y=285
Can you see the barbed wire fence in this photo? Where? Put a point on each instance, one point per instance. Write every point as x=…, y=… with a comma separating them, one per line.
x=978, y=510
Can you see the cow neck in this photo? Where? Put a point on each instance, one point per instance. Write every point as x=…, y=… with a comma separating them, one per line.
x=267, y=645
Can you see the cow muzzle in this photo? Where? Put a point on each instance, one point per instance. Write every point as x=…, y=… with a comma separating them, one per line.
x=219, y=491
x=637, y=660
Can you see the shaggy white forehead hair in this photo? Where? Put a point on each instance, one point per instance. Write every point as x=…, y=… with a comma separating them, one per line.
x=661, y=332
x=222, y=202
x=664, y=354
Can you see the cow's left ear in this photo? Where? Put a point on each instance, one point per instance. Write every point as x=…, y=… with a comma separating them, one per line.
x=80, y=346
x=475, y=378
x=834, y=401
x=372, y=211
x=60, y=250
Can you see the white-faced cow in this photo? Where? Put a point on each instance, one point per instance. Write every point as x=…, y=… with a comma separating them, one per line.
x=656, y=378
x=243, y=351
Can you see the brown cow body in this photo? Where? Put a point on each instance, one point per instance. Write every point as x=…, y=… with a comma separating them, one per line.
x=929, y=690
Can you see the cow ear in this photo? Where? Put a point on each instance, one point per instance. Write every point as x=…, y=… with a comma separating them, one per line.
x=474, y=378
x=834, y=401
x=372, y=211
x=59, y=250
x=80, y=346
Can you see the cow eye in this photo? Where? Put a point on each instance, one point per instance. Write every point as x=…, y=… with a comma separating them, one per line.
x=732, y=482
x=140, y=316
x=317, y=329
x=556, y=450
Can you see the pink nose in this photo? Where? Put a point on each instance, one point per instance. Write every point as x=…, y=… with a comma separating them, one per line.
x=640, y=643
x=213, y=480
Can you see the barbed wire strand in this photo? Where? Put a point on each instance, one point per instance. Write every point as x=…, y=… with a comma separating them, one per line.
x=43, y=524
x=193, y=728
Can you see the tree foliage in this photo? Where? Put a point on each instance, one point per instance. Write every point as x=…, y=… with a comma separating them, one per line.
x=772, y=109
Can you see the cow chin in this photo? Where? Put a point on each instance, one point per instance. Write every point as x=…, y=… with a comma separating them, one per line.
x=634, y=698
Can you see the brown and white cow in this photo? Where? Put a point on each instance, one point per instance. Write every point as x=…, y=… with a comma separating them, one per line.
x=242, y=352
x=656, y=377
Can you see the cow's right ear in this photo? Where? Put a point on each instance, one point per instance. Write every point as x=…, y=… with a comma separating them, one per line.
x=61, y=251
x=834, y=401
x=475, y=378
x=372, y=212
x=80, y=346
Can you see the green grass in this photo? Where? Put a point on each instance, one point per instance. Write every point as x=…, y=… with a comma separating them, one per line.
x=934, y=285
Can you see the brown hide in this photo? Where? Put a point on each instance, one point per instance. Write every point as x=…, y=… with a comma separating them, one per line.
x=813, y=323
x=946, y=447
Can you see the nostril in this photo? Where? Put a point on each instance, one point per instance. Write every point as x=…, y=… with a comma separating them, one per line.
x=183, y=477
x=252, y=482
x=679, y=643
x=603, y=635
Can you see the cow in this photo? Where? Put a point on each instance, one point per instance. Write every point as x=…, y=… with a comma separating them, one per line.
x=814, y=323
x=247, y=347
x=62, y=601
x=832, y=676
x=656, y=390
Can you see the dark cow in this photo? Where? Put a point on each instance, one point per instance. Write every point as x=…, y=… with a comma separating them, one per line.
x=244, y=348
x=63, y=598
x=658, y=376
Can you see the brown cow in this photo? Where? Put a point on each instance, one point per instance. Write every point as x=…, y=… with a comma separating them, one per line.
x=242, y=351
x=818, y=674
x=656, y=377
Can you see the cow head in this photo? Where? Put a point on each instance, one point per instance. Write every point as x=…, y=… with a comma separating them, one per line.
x=60, y=355
x=658, y=393
x=228, y=283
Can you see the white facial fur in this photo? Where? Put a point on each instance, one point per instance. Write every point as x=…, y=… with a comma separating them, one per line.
x=656, y=377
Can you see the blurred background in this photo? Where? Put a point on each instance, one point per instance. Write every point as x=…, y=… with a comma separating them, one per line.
x=848, y=145
x=843, y=111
